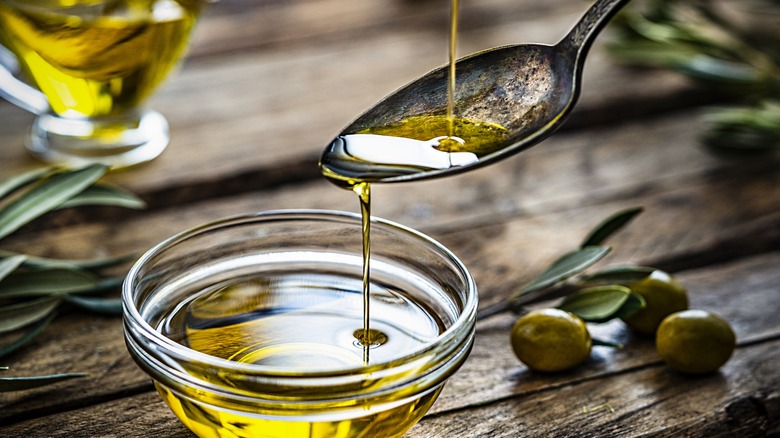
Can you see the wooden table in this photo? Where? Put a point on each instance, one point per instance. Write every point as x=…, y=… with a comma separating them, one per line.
x=269, y=83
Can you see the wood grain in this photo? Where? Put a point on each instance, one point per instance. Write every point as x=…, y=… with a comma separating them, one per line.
x=742, y=398
x=266, y=86
x=494, y=388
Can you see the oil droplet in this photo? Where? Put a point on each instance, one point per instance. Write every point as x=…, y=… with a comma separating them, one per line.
x=375, y=338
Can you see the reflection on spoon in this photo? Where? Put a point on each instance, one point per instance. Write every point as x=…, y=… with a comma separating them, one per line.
x=346, y=157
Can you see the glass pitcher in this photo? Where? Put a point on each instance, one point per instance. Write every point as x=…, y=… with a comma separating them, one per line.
x=87, y=67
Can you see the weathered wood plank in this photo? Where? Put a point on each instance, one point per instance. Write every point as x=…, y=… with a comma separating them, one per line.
x=141, y=416
x=742, y=399
x=730, y=289
x=241, y=25
x=744, y=293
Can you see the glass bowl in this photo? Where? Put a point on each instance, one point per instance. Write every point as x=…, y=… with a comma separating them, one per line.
x=248, y=326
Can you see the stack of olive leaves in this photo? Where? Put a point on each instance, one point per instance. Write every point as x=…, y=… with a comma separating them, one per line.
x=32, y=288
x=597, y=297
x=735, y=50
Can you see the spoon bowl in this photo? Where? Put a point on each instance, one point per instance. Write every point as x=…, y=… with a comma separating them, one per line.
x=527, y=89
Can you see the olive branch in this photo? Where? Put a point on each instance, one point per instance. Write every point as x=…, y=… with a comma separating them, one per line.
x=727, y=49
x=598, y=297
x=32, y=288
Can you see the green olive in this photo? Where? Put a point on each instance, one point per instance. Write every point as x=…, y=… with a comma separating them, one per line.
x=663, y=296
x=550, y=340
x=695, y=341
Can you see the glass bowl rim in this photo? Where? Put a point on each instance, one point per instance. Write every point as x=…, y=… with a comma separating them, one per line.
x=178, y=351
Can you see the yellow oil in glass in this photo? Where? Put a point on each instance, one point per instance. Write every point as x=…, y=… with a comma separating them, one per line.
x=299, y=322
x=208, y=422
x=96, y=58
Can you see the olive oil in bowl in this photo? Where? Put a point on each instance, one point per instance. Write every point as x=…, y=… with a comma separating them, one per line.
x=252, y=326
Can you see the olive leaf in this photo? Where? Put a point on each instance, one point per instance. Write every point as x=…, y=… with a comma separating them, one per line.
x=720, y=50
x=602, y=303
x=18, y=315
x=633, y=304
x=9, y=264
x=619, y=274
x=610, y=225
x=666, y=32
x=47, y=196
x=10, y=185
x=651, y=54
x=34, y=262
x=102, y=286
x=765, y=116
x=47, y=282
x=8, y=384
x=105, y=194
x=743, y=129
x=29, y=333
x=713, y=69
x=567, y=265
x=108, y=306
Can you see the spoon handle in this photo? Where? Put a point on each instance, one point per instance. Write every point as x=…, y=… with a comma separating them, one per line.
x=579, y=39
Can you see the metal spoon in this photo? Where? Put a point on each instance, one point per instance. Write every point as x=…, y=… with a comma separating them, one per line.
x=529, y=89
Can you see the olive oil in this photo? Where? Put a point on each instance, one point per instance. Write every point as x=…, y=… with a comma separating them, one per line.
x=454, y=10
x=417, y=144
x=479, y=138
x=300, y=322
x=366, y=338
x=355, y=161
x=95, y=58
x=208, y=422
